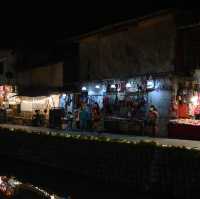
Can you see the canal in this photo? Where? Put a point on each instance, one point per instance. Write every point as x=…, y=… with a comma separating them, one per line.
x=64, y=184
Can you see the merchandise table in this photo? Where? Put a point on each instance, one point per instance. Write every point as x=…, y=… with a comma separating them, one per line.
x=184, y=129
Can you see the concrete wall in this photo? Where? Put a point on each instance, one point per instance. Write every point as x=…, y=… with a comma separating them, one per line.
x=147, y=47
x=161, y=99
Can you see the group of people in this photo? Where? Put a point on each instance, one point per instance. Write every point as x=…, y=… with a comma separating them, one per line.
x=89, y=117
x=86, y=117
x=39, y=118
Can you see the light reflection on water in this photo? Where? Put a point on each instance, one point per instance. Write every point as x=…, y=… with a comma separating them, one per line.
x=10, y=187
x=64, y=184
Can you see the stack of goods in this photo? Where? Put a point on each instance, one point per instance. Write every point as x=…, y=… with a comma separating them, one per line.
x=186, y=122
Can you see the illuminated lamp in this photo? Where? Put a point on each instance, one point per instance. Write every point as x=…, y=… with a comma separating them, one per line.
x=97, y=86
x=194, y=100
x=84, y=88
x=128, y=85
x=113, y=86
x=150, y=84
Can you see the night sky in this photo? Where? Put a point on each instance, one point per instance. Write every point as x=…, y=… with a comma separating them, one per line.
x=38, y=26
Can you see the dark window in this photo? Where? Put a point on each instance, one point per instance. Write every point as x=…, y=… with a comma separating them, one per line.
x=1, y=68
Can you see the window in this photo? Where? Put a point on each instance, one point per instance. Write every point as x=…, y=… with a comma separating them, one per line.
x=1, y=68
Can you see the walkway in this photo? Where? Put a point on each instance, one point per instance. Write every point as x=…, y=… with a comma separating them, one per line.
x=162, y=141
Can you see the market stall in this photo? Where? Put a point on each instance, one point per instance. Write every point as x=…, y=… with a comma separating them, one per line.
x=125, y=103
x=30, y=107
x=185, y=123
x=184, y=129
x=8, y=102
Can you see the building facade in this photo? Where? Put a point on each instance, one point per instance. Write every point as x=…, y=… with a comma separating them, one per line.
x=7, y=67
x=137, y=52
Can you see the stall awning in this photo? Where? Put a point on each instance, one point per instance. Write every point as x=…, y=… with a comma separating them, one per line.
x=42, y=91
x=34, y=92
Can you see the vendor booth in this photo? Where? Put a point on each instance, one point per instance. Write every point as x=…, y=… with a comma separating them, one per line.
x=8, y=102
x=25, y=110
x=185, y=123
x=184, y=129
x=30, y=106
x=125, y=103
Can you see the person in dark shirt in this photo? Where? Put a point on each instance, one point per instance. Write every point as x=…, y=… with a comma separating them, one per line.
x=152, y=120
x=37, y=118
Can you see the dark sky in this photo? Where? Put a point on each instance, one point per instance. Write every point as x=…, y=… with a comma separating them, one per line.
x=41, y=25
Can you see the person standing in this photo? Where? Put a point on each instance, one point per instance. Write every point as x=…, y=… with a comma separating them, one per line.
x=83, y=118
x=96, y=117
x=69, y=120
x=152, y=120
x=89, y=117
x=77, y=119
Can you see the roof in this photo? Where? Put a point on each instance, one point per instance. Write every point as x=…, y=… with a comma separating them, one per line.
x=47, y=91
x=122, y=24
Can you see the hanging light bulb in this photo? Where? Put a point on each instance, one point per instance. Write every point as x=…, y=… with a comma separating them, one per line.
x=150, y=84
x=84, y=88
x=128, y=85
x=113, y=86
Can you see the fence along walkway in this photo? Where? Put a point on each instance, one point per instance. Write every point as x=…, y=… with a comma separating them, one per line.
x=162, y=141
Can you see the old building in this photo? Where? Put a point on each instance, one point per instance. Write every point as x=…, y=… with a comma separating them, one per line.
x=142, y=53
x=45, y=59
x=7, y=66
x=41, y=77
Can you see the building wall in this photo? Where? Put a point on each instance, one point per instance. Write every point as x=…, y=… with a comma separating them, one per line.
x=71, y=64
x=47, y=76
x=147, y=47
x=188, y=48
x=161, y=99
x=7, y=67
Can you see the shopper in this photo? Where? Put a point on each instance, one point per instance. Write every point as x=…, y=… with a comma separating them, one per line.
x=89, y=117
x=83, y=118
x=69, y=120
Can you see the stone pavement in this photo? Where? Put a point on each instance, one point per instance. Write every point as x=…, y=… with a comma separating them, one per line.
x=162, y=141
